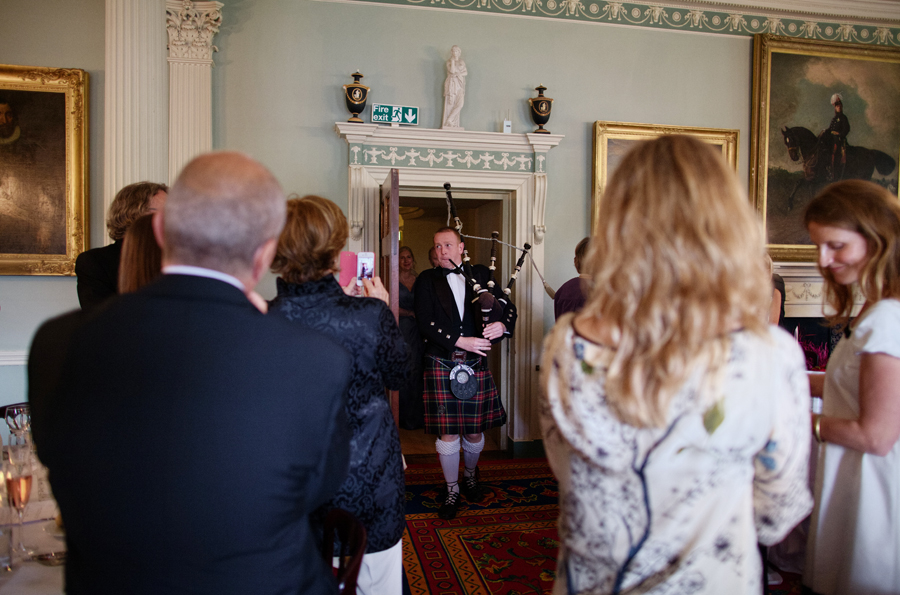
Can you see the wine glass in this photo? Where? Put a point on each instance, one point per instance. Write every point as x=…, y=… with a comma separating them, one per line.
x=18, y=476
x=18, y=417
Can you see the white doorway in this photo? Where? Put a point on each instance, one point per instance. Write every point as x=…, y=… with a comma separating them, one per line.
x=422, y=212
x=507, y=168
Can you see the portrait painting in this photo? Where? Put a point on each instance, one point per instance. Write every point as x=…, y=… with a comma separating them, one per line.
x=823, y=112
x=612, y=140
x=43, y=188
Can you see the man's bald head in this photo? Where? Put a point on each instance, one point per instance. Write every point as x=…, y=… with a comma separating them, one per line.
x=220, y=210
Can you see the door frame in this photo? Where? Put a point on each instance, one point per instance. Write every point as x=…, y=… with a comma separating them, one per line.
x=525, y=187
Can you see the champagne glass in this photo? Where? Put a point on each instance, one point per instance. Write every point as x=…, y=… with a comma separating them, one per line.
x=18, y=475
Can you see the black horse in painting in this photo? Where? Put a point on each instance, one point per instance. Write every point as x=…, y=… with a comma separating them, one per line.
x=861, y=163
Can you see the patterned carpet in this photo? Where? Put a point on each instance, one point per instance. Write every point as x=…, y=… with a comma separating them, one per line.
x=505, y=545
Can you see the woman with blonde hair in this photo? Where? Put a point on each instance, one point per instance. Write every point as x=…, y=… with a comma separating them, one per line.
x=306, y=259
x=854, y=537
x=674, y=418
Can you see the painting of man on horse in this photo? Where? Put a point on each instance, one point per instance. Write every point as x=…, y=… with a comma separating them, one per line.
x=806, y=151
x=829, y=158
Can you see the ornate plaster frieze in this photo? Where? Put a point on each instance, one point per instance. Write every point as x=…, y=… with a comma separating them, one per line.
x=191, y=27
x=794, y=19
x=374, y=145
x=440, y=158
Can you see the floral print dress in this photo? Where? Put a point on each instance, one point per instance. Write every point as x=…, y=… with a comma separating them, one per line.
x=676, y=509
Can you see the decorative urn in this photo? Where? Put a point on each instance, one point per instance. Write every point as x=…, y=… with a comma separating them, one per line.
x=355, y=95
x=540, y=109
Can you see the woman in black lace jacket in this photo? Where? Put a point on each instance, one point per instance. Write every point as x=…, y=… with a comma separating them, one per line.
x=308, y=294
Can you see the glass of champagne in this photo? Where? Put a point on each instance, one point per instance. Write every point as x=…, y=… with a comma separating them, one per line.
x=18, y=477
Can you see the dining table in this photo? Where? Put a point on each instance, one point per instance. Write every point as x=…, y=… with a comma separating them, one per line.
x=41, y=534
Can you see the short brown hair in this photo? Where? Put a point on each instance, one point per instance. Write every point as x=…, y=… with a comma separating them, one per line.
x=129, y=204
x=141, y=257
x=580, y=251
x=871, y=211
x=312, y=238
x=451, y=230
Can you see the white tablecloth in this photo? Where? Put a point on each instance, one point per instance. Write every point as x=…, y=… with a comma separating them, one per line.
x=31, y=578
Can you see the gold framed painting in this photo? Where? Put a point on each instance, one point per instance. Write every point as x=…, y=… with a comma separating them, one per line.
x=613, y=139
x=822, y=112
x=43, y=169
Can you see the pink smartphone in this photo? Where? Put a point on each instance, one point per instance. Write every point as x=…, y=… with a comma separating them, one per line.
x=348, y=267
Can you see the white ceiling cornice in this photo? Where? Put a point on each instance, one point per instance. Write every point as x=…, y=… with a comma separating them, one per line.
x=864, y=10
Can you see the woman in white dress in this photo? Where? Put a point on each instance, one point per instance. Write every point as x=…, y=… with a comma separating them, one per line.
x=674, y=417
x=854, y=539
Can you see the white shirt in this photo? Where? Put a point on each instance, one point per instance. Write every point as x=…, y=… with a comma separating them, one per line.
x=184, y=269
x=458, y=287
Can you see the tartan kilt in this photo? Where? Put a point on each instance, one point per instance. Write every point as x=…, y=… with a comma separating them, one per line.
x=445, y=414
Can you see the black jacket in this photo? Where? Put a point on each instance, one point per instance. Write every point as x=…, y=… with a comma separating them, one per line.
x=175, y=424
x=438, y=317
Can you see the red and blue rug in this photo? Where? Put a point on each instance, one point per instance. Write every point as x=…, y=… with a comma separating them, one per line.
x=505, y=545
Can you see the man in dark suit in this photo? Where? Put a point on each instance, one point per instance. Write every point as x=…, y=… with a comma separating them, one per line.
x=186, y=434
x=97, y=269
x=460, y=395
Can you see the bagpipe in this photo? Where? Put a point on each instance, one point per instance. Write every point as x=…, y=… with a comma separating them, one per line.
x=492, y=306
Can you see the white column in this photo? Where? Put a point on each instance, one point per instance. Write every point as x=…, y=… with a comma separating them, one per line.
x=136, y=96
x=191, y=27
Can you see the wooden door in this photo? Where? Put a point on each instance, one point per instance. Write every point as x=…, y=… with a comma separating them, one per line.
x=390, y=264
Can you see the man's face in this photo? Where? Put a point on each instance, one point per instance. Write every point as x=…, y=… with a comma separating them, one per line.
x=448, y=248
x=157, y=202
x=7, y=120
x=838, y=107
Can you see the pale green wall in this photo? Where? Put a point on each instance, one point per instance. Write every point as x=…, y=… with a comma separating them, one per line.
x=281, y=64
x=67, y=34
x=277, y=93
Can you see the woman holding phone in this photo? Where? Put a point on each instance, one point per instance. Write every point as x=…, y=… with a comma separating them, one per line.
x=854, y=537
x=306, y=259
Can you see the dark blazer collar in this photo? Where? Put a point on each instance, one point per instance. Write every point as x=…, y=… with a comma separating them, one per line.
x=445, y=295
x=196, y=288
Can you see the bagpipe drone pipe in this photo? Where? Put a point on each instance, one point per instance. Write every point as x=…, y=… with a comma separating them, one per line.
x=491, y=306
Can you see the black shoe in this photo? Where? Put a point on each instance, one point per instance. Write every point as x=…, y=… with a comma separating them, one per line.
x=472, y=488
x=447, y=510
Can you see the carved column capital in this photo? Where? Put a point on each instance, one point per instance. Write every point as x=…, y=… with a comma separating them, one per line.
x=191, y=27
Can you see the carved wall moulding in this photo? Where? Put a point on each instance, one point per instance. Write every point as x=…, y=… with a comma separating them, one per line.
x=874, y=22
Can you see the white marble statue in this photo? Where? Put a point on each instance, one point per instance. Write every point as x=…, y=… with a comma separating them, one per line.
x=454, y=89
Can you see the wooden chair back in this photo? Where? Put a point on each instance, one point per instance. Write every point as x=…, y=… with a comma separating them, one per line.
x=352, y=538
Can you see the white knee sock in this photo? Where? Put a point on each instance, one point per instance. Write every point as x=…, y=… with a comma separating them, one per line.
x=448, y=453
x=471, y=452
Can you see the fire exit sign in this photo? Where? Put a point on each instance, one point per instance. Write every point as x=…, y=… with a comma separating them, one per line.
x=394, y=114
